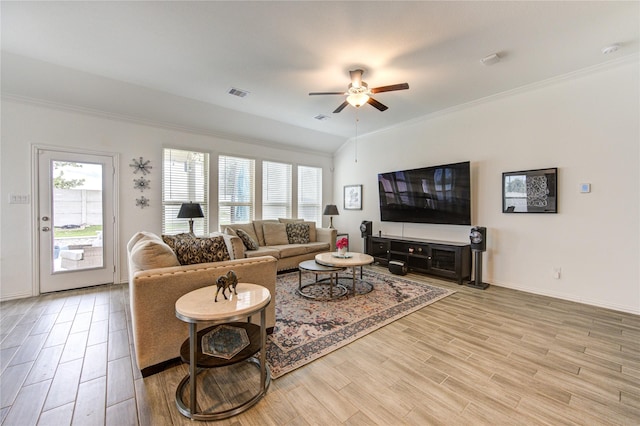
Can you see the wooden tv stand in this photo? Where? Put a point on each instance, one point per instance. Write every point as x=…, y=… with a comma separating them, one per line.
x=445, y=259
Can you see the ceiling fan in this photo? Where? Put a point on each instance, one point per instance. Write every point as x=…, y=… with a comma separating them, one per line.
x=359, y=93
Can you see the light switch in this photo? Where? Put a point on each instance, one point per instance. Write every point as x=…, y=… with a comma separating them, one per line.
x=19, y=198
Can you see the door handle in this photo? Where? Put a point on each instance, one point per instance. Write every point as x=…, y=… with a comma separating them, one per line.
x=46, y=228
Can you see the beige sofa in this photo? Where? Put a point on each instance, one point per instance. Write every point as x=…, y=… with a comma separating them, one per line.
x=268, y=234
x=157, y=280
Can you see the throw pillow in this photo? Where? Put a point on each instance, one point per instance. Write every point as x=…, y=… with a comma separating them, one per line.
x=313, y=237
x=151, y=254
x=275, y=234
x=201, y=250
x=289, y=220
x=249, y=242
x=297, y=233
x=171, y=240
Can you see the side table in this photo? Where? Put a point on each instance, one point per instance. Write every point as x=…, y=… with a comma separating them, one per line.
x=199, y=306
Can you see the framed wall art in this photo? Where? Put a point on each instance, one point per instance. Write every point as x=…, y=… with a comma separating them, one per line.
x=530, y=191
x=353, y=197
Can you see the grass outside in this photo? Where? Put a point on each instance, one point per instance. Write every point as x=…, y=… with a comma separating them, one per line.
x=89, y=231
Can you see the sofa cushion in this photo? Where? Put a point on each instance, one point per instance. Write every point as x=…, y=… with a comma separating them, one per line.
x=288, y=220
x=247, y=240
x=201, y=250
x=257, y=224
x=139, y=236
x=263, y=251
x=152, y=253
x=275, y=234
x=317, y=247
x=297, y=233
x=290, y=250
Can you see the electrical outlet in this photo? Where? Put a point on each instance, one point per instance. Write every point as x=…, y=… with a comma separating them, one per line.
x=556, y=272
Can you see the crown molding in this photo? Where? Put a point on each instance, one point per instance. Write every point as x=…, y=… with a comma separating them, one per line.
x=157, y=124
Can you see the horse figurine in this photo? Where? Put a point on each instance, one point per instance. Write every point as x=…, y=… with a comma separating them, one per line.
x=224, y=282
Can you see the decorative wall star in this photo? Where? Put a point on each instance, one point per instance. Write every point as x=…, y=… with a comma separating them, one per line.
x=141, y=183
x=142, y=202
x=141, y=165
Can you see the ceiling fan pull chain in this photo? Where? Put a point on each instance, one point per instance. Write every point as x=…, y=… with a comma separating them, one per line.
x=356, y=141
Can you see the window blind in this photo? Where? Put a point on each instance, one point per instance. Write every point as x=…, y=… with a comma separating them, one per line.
x=310, y=194
x=276, y=190
x=235, y=190
x=185, y=177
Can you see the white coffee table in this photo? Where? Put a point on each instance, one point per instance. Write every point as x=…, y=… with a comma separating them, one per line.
x=199, y=306
x=349, y=260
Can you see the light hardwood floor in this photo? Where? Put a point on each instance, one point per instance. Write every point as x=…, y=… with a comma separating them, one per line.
x=495, y=357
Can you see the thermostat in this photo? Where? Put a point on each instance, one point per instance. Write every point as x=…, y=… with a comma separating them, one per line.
x=585, y=188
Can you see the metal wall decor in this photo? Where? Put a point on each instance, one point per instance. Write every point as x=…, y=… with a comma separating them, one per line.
x=141, y=166
x=141, y=183
x=142, y=202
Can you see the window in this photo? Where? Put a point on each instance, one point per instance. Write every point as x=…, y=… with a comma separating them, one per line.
x=235, y=190
x=310, y=194
x=185, y=177
x=276, y=190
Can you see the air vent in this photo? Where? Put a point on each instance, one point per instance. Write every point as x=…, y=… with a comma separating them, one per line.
x=322, y=117
x=238, y=92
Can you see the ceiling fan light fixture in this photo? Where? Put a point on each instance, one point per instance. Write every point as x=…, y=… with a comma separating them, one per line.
x=358, y=99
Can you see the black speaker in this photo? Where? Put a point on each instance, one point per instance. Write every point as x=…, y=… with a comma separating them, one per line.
x=478, y=237
x=366, y=228
x=397, y=267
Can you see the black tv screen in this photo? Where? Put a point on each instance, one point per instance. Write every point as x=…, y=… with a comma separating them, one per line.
x=439, y=194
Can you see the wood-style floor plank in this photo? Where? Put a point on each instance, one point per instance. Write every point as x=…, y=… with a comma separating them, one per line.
x=491, y=357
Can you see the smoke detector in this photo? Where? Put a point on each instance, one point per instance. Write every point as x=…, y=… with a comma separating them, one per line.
x=491, y=59
x=610, y=49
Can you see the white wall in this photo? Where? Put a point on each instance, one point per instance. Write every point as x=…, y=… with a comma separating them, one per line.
x=587, y=125
x=28, y=124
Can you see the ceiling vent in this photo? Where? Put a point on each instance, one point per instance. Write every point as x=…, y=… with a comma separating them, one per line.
x=238, y=92
x=322, y=117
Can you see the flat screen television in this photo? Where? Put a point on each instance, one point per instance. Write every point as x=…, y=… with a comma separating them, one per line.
x=438, y=194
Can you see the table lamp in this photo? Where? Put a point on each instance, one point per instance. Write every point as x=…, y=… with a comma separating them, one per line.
x=190, y=210
x=330, y=210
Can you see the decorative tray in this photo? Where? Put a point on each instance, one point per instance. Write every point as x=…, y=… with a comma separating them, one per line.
x=225, y=341
x=342, y=256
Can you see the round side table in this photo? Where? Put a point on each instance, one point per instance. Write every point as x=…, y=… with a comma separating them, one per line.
x=199, y=306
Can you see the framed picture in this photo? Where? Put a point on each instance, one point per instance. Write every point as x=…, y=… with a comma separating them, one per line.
x=530, y=191
x=353, y=197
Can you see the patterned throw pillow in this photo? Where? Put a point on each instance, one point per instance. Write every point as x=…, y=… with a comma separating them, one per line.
x=170, y=240
x=201, y=250
x=249, y=242
x=298, y=233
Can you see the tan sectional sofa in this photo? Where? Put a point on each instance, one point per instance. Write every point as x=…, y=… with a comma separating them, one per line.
x=268, y=234
x=157, y=280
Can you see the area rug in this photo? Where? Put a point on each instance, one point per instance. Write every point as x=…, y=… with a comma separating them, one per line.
x=306, y=329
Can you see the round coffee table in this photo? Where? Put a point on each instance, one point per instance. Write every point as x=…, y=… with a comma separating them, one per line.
x=349, y=260
x=313, y=266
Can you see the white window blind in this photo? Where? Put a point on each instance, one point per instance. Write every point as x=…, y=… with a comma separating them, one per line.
x=276, y=190
x=185, y=178
x=310, y=194
x=235, y=190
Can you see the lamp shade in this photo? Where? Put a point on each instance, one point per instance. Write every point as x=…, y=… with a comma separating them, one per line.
x=331, y=210
x=190, y=210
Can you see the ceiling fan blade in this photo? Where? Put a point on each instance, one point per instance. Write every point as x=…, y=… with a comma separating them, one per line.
x=377, y=104
x=326, y=93
x=401, y=86
x=356, y=77
x=341, y=107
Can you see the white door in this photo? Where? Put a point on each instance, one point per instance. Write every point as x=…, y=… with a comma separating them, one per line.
x=75, y=220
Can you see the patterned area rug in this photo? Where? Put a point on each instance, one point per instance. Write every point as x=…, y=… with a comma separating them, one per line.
x=307, y=329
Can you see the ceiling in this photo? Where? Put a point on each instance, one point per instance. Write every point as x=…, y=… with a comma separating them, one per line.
x=174, y=62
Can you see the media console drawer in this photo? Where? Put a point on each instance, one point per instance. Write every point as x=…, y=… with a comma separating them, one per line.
x=450, y=260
